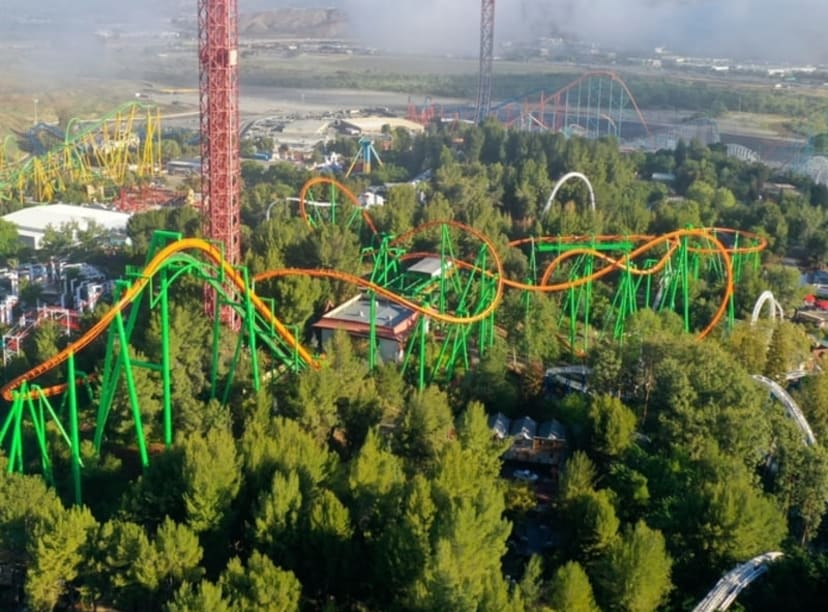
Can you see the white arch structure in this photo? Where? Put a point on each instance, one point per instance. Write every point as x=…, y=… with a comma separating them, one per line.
x=564, y=179
x=817, y=168
x=742, y=153
x=776, y=308
x=791, y=407
x=733, y=582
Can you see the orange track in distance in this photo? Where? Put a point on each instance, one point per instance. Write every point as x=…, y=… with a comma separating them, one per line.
x=324, y=180
x=621, y=264
x=393, y=297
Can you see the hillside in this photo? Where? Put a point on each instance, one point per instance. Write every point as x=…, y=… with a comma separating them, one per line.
x=295, y=23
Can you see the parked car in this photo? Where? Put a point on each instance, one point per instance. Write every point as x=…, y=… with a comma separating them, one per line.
x=525, y=475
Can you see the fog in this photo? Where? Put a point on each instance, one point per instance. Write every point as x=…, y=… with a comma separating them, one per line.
x=762, y=29
x=766, y=29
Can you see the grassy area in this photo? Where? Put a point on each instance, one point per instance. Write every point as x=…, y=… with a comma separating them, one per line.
x=91, y=100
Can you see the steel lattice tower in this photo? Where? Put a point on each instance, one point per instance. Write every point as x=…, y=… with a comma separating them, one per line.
x=484, y=90
x=218, y=37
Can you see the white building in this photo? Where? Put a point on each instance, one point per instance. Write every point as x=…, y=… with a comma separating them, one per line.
x=33, y=221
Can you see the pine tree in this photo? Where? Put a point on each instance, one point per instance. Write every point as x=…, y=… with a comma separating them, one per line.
x=612, y=425
x=56, y=552
x=278, y=511
x=570, y=590
x=199, y=597
x=259, y=586
x=578, y=476
x=635, y=571
x=211, y=474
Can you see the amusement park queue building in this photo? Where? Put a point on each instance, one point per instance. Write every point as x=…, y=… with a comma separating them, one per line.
x=32, y=222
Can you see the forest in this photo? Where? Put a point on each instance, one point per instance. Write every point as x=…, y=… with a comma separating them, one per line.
x=347, y=488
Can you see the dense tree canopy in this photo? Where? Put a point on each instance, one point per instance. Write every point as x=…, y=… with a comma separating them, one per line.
x=346, y=488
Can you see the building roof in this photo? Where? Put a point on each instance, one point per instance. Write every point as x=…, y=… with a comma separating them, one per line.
x=499, y=424
x=392, y=320
x=430, y=266
x=38, y=218
x=552, y=430
x=373, y=125
x=306, y=128
x=524, y=427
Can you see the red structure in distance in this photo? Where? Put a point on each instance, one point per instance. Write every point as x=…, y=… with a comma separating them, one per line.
x=218, y=37
x=484, y=88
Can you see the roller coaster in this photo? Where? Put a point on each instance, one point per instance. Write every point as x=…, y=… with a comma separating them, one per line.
x=722, y=596
x=454, y=308
x=97, y=152
x=598, y=103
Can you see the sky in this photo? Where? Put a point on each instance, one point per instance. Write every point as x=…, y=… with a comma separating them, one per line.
x=771, y=29
x=763, y=29
x=766, y=29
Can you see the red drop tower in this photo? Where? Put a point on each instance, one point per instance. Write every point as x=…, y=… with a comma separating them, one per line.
x=484, y=88
x=218, y=37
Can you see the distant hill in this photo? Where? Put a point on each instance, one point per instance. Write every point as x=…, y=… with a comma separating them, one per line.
x=295, y=23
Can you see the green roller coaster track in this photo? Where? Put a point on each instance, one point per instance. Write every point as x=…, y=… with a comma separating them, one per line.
x=455, y=307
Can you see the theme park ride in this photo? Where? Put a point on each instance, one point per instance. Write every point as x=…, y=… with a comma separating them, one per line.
x=598, y=103
x=727, y=589
x=364, y=155
x=444, y=280
x=484, y=86
x=90, y=152
x=218, y=64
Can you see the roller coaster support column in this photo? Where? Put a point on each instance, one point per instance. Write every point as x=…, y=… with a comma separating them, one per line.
x=736, y=266
x=126, y=362
x=249, y=322
x=73, y=428
x=250, y=319
x=685, y=281
x=422, y=364
x=13, y=422
x=487, y=325
x=532, y=280
x=418, y=338
x=214, y=362
x=296, y=361
x=678, y=276
x=580, y=294
x=166, y=366
x=625, y=302
x=112, y=367
x=590, y=265
x=372, y=334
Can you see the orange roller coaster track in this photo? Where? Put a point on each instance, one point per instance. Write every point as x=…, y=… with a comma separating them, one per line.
x=479, y=287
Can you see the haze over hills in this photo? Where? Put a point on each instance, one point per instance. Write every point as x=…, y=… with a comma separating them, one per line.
x=306, y=23
x=740, y=29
